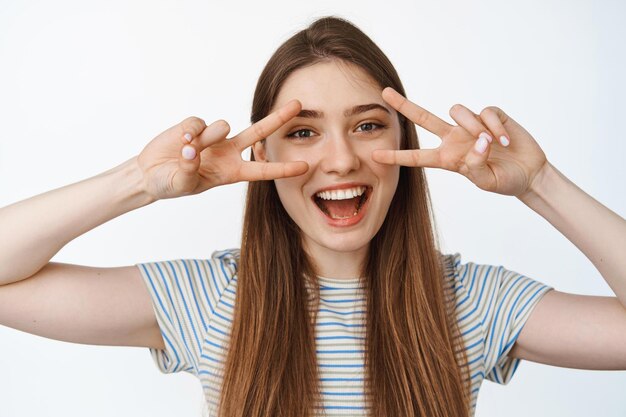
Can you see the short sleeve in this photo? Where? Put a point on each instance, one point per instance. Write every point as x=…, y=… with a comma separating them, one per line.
x=184, y=293
x=499, y=302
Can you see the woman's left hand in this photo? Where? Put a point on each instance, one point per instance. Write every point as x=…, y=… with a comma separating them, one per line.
x=508, y=165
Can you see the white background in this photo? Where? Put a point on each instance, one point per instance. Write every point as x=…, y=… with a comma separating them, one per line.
x=86, y=85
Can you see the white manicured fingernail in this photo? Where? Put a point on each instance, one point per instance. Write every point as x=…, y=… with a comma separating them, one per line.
x=486, y=136
x=189, y=152
x=188, y=137
x=481, y=144
x=504, y=141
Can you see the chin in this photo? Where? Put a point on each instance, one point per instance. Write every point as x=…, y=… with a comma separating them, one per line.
x=344, y=243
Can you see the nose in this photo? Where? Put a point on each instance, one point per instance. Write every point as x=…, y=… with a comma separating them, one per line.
x=339, y=156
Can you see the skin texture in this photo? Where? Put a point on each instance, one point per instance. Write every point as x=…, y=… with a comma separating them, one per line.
x=338, y=150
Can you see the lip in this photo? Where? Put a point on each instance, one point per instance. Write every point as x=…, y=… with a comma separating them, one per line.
x=349, y=221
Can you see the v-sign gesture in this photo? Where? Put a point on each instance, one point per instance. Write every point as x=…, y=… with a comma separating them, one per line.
x=191, y=157
x=506, y=166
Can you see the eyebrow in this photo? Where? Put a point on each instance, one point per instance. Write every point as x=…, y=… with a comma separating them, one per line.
x=362, y=108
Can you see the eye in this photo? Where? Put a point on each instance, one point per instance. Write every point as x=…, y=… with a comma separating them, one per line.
x=300, y=134
x=370, y=127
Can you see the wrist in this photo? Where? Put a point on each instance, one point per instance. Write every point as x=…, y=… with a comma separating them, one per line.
x=541, y=184
x=131, y=190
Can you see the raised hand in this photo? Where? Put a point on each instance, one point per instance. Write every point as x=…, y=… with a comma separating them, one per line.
x=191, y=157
x=507, y=165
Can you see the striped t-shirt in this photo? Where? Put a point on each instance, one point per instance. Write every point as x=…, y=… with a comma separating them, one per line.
x=193, y=300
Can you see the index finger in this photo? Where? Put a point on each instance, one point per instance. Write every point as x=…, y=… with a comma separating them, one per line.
x=267, y=125
x=415, y=113
x=256, y=171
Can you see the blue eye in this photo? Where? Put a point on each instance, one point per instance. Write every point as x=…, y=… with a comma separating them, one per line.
x=373, y=127
x=296, y=134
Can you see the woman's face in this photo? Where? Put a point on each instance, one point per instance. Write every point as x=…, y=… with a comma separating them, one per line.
x=342, y=200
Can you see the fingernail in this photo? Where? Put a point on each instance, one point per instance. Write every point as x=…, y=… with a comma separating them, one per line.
x=504, y=141
x=189, y=152
x=188, y=137
x=486, y=136
x=481, y=144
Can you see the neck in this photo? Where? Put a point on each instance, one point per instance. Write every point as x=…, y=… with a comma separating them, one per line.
x=336, y=264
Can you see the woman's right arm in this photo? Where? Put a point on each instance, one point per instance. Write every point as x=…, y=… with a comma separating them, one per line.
x=188, y=158
x=32, y=231
x=112, y=306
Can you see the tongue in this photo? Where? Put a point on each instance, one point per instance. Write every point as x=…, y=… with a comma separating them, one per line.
x=341, y=208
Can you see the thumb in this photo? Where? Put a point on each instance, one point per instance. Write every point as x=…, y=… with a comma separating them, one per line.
x=188, y=160
x=185, y=178
x=476, y=160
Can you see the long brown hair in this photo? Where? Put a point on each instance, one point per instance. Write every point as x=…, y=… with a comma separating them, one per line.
x=415, y=363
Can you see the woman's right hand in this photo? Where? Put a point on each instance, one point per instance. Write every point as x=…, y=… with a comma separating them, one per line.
x=215, y=160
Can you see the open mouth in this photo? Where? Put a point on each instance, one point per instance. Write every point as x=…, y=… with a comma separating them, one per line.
x=342, y=204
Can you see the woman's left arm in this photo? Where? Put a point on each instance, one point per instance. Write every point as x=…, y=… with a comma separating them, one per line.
x=498, y=155
x=596, y=230
x=570, y=330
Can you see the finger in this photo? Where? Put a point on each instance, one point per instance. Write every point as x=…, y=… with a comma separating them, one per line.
x=415, y=113
x=469, y=121
x=494, y=118
x=476, y=163
x=213, y=133
x=188, y=161
x=255, y=171
x=428, y=158
x=268, y=125
x=190, y=128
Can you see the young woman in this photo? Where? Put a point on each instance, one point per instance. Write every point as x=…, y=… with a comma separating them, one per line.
x=339, y=301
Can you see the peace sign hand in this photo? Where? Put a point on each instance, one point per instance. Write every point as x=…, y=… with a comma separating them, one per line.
x=505, y=167
x=191, y=157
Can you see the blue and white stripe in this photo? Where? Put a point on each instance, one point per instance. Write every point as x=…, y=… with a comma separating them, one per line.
x=194, y=300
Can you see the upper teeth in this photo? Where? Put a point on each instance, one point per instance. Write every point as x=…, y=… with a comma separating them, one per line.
x=341, y=194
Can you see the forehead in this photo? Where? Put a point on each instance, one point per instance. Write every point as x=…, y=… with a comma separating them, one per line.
x=333, y=85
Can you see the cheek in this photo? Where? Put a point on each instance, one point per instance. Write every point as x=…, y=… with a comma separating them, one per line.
x=389, y=175
x=285, y=188
x=290, y=189
x=292, y=153
x=290, y=193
